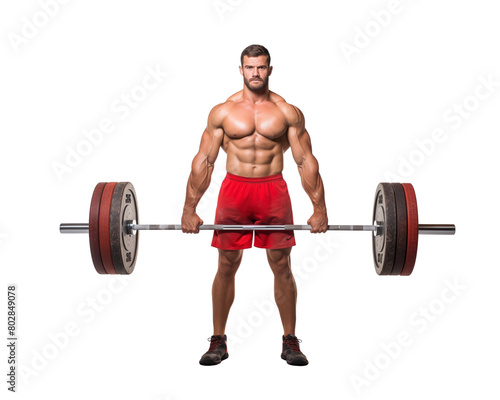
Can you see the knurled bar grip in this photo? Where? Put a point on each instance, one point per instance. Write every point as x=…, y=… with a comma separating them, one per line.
x=423, y=229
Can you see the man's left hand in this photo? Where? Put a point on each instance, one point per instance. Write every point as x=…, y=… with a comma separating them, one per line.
x=318, y=222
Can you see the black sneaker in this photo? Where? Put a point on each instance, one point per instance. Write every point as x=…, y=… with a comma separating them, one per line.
x=217, y=351
x=291, y=351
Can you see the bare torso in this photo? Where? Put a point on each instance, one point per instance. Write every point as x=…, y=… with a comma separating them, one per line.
x=255, y=127
x=255, y=135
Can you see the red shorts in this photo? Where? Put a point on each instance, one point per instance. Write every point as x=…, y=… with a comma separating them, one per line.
x=258, y=201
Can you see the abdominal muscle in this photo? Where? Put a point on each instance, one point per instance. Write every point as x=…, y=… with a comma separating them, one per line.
x=253, y=156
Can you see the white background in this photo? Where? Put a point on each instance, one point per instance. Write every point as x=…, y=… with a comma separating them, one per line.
x=365, y=113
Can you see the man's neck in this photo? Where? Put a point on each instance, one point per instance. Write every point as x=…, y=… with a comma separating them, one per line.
x=255, y=97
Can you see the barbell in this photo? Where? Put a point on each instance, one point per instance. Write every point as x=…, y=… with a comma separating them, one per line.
x=114, y=227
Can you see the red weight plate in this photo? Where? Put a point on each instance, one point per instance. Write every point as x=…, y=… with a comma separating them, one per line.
x=95, y=205
x=412, y=212
x=402, y=229
x=104, y=238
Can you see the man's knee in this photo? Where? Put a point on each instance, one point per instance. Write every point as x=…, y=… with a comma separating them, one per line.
x=229, y=260
x=279, y=260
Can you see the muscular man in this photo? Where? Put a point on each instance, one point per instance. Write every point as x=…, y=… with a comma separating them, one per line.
x=254, y=127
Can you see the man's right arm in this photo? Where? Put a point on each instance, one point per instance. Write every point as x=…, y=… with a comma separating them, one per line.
x=202, y=168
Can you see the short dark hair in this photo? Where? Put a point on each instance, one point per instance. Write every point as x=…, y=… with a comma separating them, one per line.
x=255, y=50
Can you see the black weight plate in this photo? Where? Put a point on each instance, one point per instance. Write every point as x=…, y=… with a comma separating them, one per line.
x=384, y=240
x=402, y=229
x=124, y=245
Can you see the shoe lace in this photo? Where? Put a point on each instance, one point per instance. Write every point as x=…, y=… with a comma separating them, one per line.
x=293, y=343
x=215, y=342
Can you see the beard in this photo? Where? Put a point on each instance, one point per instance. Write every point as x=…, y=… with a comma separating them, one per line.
x=256, y=87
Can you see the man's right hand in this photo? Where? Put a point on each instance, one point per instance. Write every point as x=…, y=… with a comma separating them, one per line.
x=190, y=222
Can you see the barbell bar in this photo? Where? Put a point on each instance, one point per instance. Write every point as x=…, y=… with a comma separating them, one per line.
x=113, y=228
x=423, y=229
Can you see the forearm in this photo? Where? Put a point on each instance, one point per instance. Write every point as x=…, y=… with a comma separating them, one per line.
x=198, y=182
x=312, y=183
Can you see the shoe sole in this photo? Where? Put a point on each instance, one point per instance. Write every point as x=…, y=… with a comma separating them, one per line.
x=297, y=364
x=215, y=363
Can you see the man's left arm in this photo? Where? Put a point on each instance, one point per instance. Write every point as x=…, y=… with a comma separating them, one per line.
x=300, y=144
